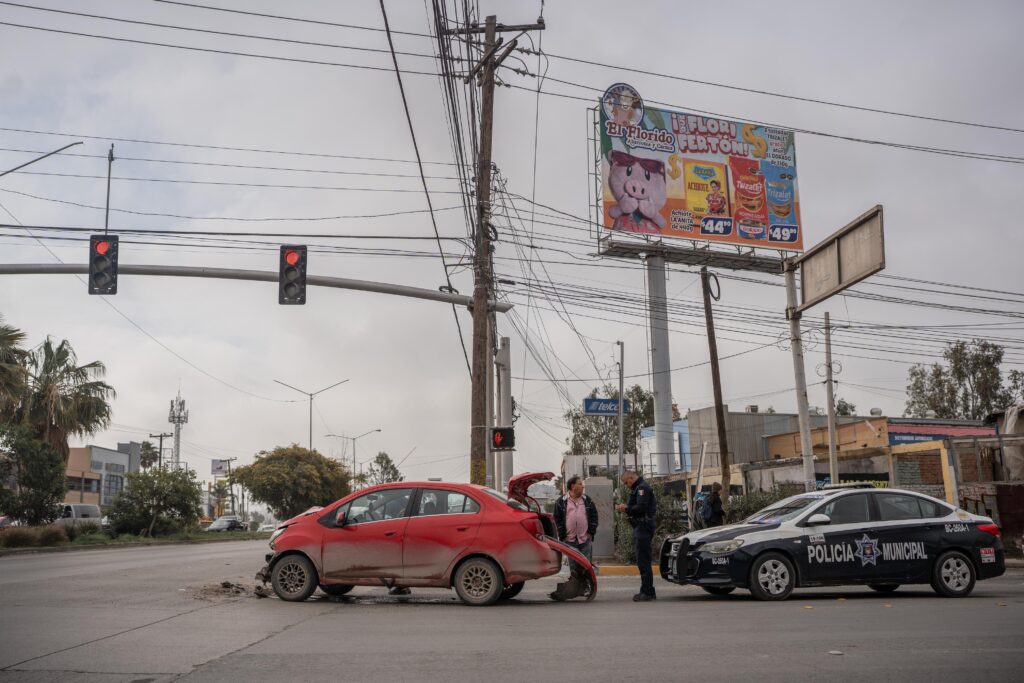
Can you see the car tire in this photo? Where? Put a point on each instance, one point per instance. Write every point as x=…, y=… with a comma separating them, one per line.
x=512, y=591
x=478, y=582
x=883, y=587
x=335, y=589
x=772, y=577
x=953, y=575
x=294, y=578
x=718, y=590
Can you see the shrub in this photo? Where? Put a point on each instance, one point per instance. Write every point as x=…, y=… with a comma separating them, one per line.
x=19, y=537
x=93, y=538
x=76, y=530
x=52, y=535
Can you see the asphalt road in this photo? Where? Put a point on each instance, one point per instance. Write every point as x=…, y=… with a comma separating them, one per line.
x=161, y=614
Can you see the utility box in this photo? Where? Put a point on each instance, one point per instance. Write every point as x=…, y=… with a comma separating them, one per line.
x=600, y=491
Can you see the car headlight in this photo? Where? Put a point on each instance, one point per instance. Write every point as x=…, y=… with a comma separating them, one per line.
x=274, y=536
x=723, y=547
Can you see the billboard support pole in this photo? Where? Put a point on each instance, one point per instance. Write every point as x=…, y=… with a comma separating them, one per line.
x=658, y=311
x=622, y=398
x=833, y=457
x=716, y=382
x=799, y=375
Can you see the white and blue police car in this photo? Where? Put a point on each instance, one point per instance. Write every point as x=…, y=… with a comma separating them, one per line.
x=881, y=538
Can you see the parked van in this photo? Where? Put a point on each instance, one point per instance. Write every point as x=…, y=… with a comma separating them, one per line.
x=79, y=513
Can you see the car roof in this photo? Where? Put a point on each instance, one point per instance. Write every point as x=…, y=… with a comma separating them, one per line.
x=845, y=490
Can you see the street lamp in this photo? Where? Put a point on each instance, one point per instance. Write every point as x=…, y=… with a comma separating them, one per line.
x=311, y=395
x=353, y=439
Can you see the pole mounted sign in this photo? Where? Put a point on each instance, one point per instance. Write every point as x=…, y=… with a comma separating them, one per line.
x=853, y=253
x=219, y=467
x=608, y=407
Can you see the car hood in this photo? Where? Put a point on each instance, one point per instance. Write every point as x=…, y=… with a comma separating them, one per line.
x=299, y=517
x=726, y=533
x=520, y=484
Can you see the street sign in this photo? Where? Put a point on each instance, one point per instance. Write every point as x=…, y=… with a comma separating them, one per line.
x=847, y=257
x=608, y=407
x=219, y=467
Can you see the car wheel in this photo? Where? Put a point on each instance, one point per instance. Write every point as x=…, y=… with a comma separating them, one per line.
x=953, y=575
x=478, y=582
x=512, y=591
x=772, y=577
x=718, y=590
x=293, y=578
x=883, y=587
x=335, y=589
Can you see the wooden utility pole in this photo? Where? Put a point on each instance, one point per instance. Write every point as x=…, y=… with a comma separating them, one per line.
x=482, y=279
x=716, y=381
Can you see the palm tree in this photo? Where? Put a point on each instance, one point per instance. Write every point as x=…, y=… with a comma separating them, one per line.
x=149, y=455
x=12, y=369
x=220, y=496
x=63, y=398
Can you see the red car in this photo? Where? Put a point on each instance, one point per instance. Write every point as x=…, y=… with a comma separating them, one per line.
x=420, y=534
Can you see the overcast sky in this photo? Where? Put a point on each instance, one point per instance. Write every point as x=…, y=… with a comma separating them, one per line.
x=947, y=219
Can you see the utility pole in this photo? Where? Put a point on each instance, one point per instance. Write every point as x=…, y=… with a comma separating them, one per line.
x=110, y=167
x=482, y=363
x=622, y=399
x=231, y=487
x=799, y=376
x=716, y=379
x=160, y=451
x=311, y=395
x=504, y=459
x=833, y=456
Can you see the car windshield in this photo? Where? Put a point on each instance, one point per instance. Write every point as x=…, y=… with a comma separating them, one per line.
x=508, y=501
x=219, y=524
x=784, y=510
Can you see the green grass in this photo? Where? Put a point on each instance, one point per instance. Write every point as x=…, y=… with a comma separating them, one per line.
x=46, y=537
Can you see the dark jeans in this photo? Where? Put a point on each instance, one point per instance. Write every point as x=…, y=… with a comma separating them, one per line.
x=586, y=549
x=642, y=546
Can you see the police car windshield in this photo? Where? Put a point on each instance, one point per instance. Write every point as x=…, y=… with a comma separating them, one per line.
x=783, y=510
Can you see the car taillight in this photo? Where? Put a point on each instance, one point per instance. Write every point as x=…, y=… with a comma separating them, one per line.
x=989, y=529
x=533, y=527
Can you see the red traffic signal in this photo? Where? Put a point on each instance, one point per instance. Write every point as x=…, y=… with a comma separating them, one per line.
x=291, y=280
x=503, y=438
x=103, y=264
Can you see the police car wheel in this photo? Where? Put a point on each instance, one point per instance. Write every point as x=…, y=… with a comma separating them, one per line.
x=953, y=575
x=718, y=590
x=883, y=587
x=772, y=577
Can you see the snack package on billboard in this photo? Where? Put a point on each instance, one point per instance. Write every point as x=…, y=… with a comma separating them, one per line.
x=780, y=191
x=706, y=189
x=750, y=207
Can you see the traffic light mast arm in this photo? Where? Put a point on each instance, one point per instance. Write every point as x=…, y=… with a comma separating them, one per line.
x=253, y=275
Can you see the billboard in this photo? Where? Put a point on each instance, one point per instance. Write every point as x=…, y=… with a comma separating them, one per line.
x=219, y=467
x=677, y=174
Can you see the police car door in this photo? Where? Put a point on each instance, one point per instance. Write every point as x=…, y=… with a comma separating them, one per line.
x=842, y=551
x=903, y=535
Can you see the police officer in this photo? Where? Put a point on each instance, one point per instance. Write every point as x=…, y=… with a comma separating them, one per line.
x=641, y=510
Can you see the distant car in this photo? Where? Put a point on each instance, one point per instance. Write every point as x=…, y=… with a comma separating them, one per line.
x=881, y=538
x=70, y=514
x=227, y=524
x=420, y=534
x=266, y=527
x=7, y=522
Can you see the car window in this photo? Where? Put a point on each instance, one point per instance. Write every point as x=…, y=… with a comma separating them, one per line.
x=443, y=502
x=896, y=506
x=847, y=509
x=931, y=508
x=376, y=506
x=784, y=509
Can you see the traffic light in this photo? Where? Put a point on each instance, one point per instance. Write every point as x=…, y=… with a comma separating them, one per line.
x=103, y=264
x=291, y=282
x=503, y=438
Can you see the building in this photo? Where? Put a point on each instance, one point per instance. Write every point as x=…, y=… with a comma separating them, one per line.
x=680, y=461
x=97, y=474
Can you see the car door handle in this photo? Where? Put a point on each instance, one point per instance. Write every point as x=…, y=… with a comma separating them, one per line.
x=461, y=528
x=390, y=533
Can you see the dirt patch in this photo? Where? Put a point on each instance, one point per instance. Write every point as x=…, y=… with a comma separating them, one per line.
x=226, y=590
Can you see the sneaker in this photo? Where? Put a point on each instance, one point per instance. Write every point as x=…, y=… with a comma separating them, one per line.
x=644, y=597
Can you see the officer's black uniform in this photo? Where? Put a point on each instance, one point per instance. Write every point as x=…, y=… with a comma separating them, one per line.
x=641, y=509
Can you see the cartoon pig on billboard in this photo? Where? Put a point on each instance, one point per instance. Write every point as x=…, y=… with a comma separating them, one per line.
x=639, y=188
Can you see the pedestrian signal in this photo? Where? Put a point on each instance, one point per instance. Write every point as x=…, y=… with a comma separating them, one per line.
x=103, y=264
x=503, y=438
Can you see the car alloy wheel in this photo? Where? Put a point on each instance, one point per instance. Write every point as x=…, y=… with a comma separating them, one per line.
x=478, y=582
x=953, y=575
x=294, y=578
x=772, y=577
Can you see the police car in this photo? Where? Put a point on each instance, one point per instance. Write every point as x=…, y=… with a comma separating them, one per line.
x=881, y=538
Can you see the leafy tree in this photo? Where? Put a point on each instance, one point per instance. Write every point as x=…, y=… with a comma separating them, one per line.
x=63, y=398
x=383, y=470
x=595, y=434
x=38, y=471
x=257, y=517
x=292, y=479
x=157, y=500
x=221, y=492
x=844, y=408
x=13, y=374
x=970, y=385
x=149, y=455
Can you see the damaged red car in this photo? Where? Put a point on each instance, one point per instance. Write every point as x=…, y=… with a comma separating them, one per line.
x=421, y=534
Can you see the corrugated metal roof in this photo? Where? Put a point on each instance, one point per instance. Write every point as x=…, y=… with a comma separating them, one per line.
x=940, y=429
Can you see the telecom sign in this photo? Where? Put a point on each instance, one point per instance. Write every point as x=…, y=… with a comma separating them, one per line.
x=604, y=406
x=675, y=174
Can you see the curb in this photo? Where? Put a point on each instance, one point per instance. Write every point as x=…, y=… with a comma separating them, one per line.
x=115, y=546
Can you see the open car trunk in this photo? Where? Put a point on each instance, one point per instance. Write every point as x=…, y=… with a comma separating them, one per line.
x=517, y=491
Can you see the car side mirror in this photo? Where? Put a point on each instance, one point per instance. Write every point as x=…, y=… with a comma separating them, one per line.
x=818, y=520
x=342, y=520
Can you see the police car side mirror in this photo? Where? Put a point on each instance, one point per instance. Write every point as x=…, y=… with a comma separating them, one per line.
x=818, y=520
